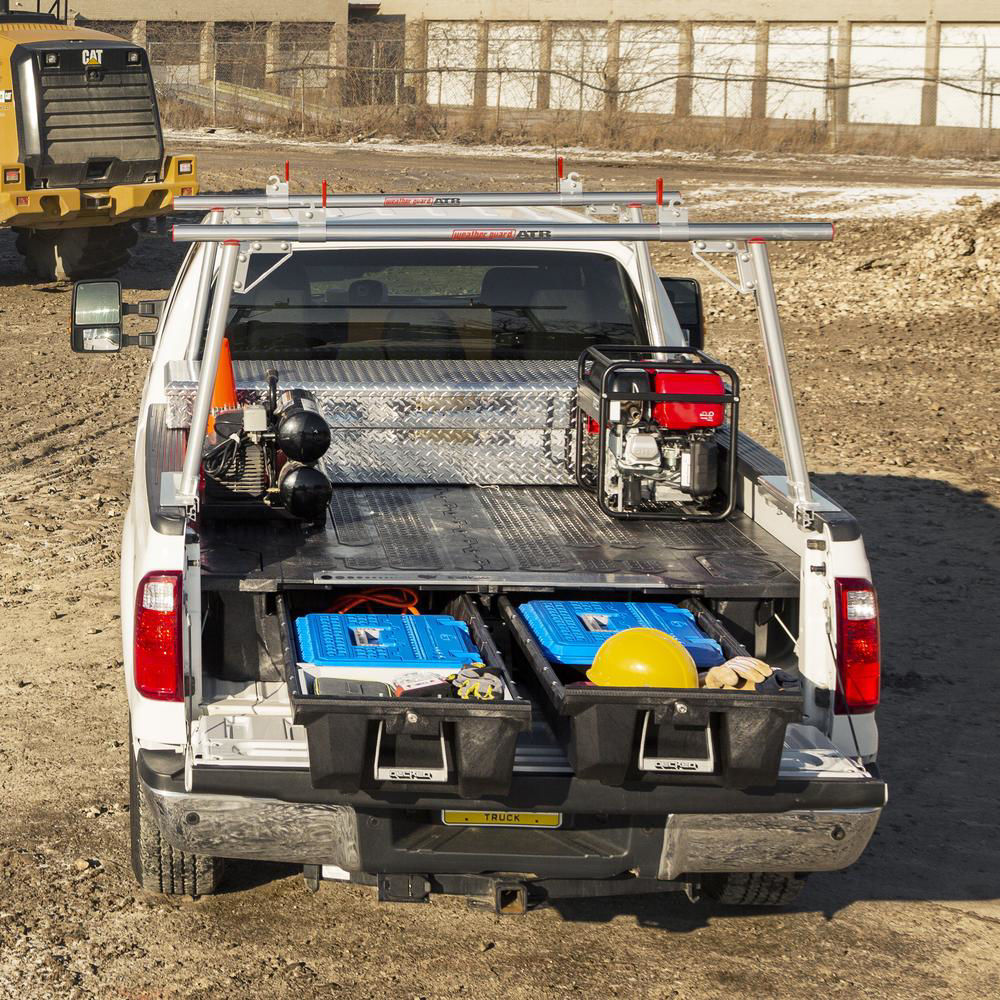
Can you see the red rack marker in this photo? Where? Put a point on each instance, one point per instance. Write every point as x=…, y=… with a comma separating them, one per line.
x=287, y=171
x=324, y=194
x=559, y=167
x=659, y=190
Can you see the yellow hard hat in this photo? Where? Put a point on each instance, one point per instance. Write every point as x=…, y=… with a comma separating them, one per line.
x=643, y=657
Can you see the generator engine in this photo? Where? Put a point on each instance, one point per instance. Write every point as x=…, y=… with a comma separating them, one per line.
x=657, y=453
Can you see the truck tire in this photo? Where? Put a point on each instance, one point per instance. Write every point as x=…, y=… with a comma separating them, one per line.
x=70, y=254
x=753, y=888
x=158, y=866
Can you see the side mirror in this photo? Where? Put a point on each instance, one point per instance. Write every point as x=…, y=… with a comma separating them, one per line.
x=685, y=297
x=96, y=325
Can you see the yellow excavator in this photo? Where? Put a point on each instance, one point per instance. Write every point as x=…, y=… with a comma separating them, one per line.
x=81, y=149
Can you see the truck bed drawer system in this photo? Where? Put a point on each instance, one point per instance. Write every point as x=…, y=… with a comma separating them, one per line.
x=360, y=738
x=373, y=741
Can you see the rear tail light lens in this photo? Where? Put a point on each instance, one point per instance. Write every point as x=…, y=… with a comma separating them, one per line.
x=11, y=175
x=133, y=57
x=858, y=656
x=51, y=58
x=158, y=649
x=185, y=166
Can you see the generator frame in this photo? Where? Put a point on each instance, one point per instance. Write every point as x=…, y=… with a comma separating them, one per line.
x=242, y=235
x=606, y=395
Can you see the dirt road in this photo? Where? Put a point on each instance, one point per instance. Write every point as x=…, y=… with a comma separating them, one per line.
x=894, y=347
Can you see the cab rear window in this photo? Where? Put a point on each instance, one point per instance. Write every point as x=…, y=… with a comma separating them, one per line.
x=399, y=304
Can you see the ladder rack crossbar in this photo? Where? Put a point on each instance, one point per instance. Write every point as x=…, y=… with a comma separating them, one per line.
x=425, y=199
x=490, y=230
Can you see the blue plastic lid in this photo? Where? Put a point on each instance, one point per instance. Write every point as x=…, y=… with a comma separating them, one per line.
x=571, y=632
x=407, y=641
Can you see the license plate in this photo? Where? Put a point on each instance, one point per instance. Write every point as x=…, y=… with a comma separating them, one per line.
x=459, y=817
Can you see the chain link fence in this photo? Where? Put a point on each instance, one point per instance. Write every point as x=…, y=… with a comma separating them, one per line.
x=625, y=85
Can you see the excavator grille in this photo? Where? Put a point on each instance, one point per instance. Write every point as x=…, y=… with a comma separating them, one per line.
x=98, y=118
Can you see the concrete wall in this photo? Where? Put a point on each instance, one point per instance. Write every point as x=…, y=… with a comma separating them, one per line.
x=534, y=10
x=769, y=60
x=211, y=10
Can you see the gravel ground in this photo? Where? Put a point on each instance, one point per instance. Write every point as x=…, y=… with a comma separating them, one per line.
x=893, y=343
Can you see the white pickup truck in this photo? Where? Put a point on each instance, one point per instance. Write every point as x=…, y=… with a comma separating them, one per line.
x=483, y=420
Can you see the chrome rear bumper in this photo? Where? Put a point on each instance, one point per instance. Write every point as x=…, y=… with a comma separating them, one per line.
x=233, y=826
x=323, y=834
x=820, y=840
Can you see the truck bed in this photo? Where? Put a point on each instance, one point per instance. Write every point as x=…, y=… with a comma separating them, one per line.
x=493, y=537
x=504, y=537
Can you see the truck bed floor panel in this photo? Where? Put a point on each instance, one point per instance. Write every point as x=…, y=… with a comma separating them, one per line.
x=508, y=537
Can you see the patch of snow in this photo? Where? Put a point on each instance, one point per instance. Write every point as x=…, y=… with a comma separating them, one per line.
x=805, y=201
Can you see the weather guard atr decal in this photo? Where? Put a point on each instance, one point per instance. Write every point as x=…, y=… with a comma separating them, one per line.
x=501, y=234
x=401, y=200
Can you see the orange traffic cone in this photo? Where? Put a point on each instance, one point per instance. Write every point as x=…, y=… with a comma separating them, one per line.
x=224, y=391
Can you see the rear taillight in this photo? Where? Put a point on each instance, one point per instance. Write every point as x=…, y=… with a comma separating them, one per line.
x=858, y=659
x=158, y=649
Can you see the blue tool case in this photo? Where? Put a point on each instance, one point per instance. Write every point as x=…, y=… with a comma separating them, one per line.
x=571, y=632
x=405, y=641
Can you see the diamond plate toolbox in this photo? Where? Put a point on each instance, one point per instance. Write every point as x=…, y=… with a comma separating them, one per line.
x=427, y=422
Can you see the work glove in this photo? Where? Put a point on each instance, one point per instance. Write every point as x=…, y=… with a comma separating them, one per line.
x=741, y=673
x=476, y=684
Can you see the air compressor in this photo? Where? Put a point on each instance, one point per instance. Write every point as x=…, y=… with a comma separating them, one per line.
x=647, y=437
x=260, y=458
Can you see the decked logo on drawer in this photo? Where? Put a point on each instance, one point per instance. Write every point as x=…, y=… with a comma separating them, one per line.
x=459, y=817
x=408, y=774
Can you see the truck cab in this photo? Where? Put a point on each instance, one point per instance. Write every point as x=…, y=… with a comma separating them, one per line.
x=455, y=448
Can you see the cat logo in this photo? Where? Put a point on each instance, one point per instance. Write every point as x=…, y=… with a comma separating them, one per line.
x=93, y=57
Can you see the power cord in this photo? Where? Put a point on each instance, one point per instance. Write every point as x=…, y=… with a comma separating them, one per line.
x=222, y=457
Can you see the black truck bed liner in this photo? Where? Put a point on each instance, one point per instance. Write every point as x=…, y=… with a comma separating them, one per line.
x=501, y=537
x=506, y=537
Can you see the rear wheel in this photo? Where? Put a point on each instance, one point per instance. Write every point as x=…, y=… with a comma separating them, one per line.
x=61, y=254
x=753, y=888
x=158, y=866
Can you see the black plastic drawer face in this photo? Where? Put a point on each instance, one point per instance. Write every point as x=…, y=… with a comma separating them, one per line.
x=399, y=743
x=625, y=736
